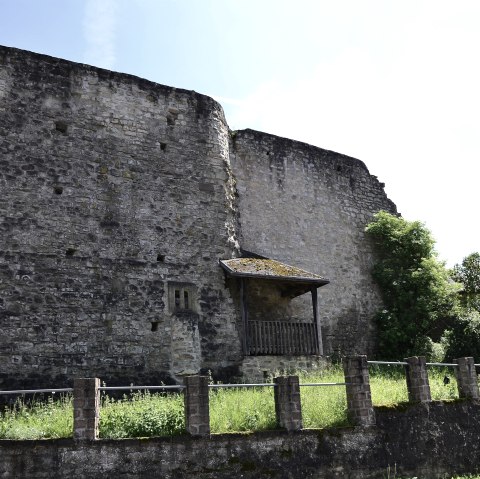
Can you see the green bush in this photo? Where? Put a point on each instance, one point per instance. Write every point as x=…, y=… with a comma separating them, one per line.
x=419, y=298
x=142, y=415
x=463, y=338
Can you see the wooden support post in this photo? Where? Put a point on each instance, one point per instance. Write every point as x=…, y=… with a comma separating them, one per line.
x=316, y=320
x=244, y=312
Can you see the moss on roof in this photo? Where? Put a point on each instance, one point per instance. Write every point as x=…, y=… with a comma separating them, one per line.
x=268, y=268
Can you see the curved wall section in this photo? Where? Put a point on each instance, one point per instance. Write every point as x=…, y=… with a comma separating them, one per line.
x=113, y=199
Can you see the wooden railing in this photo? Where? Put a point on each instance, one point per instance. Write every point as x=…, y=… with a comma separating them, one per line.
x=282, y=338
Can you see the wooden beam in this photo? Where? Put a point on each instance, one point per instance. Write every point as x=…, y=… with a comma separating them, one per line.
x=316, y=320
x=244, y=312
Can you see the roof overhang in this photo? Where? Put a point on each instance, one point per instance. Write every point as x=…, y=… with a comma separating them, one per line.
x=292, y=280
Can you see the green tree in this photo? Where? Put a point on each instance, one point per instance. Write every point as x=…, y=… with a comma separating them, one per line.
x=419, y=297
x=463, y=336
x=468, y=274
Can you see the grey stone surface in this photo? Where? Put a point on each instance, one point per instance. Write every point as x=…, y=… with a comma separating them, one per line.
x=119, y=196
x=428, y=441
x=308, y=207
x=359, y=397
x=467, y=380
x=418, y=385
x=113, y=190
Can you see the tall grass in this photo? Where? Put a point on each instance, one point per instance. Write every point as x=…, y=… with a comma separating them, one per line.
x=242, y=409
x=37, y=419
x=231, y=410
x=142, y=414
x=389, y=386
x=323, y=406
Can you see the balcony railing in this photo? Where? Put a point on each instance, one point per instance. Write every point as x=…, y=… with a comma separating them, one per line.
x=282, y=338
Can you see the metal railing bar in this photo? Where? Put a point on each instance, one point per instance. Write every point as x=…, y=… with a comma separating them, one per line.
x=323, y=384
x=403, y=363
x=266, y=385
x=33, y=391
x=128, y=388
x=395, y=363
x=442, y=364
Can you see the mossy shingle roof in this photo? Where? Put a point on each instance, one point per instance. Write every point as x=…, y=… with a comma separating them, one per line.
x=270, y=269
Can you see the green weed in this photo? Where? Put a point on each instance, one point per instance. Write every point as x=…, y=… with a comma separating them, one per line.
x=242, y=409
x=142, y=414
x=37, y=419
x=145, y=414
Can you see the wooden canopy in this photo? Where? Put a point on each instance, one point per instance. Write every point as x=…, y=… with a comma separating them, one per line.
x=284, y=337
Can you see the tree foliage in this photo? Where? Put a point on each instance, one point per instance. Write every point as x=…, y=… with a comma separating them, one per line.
x=419, y=298
x=463, y=336
x=468, y=274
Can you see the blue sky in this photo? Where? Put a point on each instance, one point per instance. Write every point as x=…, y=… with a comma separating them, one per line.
x=395, y=84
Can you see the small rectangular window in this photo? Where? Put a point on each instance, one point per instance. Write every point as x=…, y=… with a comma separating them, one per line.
x=177, y=298
x=182, y=297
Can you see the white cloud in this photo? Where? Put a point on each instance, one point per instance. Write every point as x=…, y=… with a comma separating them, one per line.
x=99, y=30
x=408, y=109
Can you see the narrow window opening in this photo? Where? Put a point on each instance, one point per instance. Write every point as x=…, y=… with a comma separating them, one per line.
x=70, y=251
x=339, y=168
x=163, y=146
x=58, y=190
x=154, y=326
x=61, y=126
x=160, y=258
x=177, y=298
x=181, y=298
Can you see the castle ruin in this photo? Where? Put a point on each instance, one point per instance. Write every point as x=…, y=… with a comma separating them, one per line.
x=142, y=240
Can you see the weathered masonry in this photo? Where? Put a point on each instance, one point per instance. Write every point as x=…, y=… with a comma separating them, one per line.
x=123, y=200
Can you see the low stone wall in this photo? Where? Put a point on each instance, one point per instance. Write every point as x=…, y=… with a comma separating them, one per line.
x=427, y=440
x=422, y=438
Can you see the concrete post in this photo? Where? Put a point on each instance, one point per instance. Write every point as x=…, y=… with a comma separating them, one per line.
x=466, y=378
x=288, y=407
x=86, y=409
x=359, y=398
x=417, y=379
x=197, y=410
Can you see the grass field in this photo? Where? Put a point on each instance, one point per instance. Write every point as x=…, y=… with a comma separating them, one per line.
x=231, y=410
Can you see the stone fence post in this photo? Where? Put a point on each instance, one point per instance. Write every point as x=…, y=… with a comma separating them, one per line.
x=86, y=408
x=417, y=379
x=288, y=407
x=197, y=409
x=466, y=378
x=359, y=398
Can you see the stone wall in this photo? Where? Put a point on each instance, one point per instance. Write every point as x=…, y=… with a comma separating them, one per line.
x=115, y=194
x=434, y=440
x=309, y=207
x=118, y=200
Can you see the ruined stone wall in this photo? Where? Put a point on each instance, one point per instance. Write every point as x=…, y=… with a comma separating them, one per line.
x=116, y=197
x=119, y=196
x=428, y=441
x=309, y=207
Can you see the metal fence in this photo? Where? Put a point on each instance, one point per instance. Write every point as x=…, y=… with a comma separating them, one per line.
x=86, y=394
